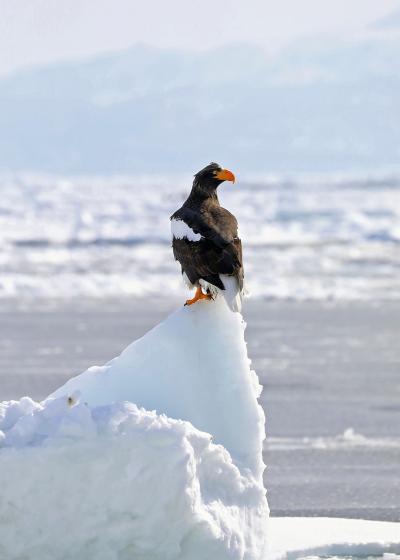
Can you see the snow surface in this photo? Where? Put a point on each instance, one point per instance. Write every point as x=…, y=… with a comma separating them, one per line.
x=349, y=439
x=293, y=538
x=117, y=481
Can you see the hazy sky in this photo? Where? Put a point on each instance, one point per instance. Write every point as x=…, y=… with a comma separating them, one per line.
x=36, y=31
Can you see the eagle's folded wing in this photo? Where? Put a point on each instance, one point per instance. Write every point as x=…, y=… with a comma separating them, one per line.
x=218, y=251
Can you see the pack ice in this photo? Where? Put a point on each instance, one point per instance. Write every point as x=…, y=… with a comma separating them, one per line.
x=155, y=455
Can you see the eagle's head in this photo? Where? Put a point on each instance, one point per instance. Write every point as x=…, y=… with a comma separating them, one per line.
x=209, y=178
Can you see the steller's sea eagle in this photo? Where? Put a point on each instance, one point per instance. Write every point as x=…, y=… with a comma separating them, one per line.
x=205, y=239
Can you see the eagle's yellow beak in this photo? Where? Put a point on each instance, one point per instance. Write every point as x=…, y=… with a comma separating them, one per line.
x=225, y=175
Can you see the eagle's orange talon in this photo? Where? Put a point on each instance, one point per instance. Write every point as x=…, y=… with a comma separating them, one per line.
x=197, y=296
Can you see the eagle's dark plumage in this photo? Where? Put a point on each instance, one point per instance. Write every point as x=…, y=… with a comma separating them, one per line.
x=205, y=236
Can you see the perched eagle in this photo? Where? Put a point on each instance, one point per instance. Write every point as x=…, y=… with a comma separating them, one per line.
x=205, y=240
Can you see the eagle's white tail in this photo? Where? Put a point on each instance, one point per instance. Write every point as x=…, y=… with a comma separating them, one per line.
x=232, y=294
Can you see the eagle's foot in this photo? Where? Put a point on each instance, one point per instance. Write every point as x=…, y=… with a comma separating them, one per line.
x=197, y=296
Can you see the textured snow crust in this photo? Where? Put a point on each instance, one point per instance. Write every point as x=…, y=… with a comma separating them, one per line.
x=120, y=482
x=295, y=538
x=177, y=475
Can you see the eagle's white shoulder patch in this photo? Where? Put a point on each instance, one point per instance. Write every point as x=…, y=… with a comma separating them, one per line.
x=180, y=230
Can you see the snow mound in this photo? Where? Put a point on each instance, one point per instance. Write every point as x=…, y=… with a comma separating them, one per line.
x=192, y=366
x=117, y=481
x=177, y=475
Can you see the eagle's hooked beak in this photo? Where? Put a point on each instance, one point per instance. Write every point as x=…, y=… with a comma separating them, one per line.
x=225, y=175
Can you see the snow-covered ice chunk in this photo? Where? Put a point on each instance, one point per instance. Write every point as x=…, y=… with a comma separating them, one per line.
x=175, y=476
x=119, y=482
x=192, y=366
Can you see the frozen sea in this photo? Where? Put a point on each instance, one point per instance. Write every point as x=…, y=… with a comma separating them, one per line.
x=83, y=262
x=308, y=237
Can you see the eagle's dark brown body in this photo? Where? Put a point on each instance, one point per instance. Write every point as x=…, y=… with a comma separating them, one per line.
x=211, y=247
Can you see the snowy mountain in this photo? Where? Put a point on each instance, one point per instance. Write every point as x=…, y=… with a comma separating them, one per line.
x=318, y=105
x=390, y=21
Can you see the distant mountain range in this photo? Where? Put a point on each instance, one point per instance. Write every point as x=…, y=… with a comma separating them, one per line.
x=312, y=107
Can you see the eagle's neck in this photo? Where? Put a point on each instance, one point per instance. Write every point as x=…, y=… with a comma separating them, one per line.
x=202, y=193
